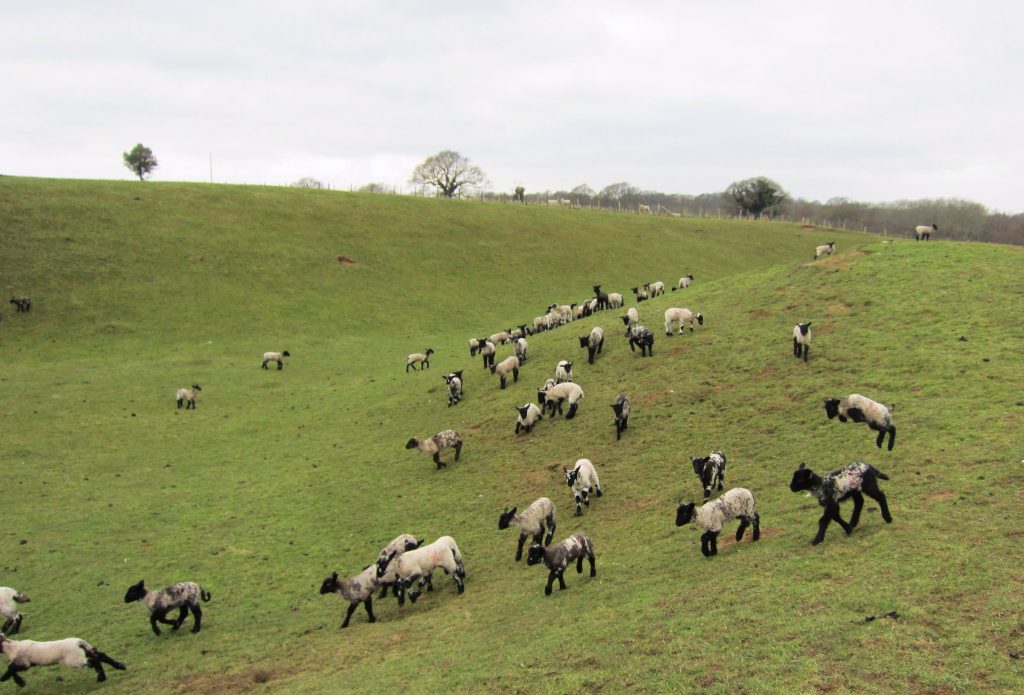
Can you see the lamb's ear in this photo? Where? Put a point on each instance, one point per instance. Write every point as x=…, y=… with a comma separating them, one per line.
x=334, y=575
x=802, y=466
x=506, y=511
x=808, y=324
x=514, y=509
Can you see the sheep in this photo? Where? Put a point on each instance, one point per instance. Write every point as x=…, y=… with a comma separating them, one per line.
x=22, y=303
x=601, y=297
x=278, y=357
x=621, y=408
x=924, y=231
x=563, y=372
x=501, y=337
x=541, y=392
x=541, y=323
x=487, y=351
x=562, y=312
x=631, y=319
x=615, y=300
x=72, y=652
x=712, y=516
x=802, y=340
x=553, y=397
x=474, y=346
x=355, y=590
x=684, y=282
x=436, y=444
x=828, y=248
x=9, y=597
x=640, y=335
x=593, y=342
x=710, y=470
x=682, y=316
x=188, y=396
x=557, y=559
x=183, y=596
x=839, y=486
x=641, y=295
x=861, y=409
x=519, y=332
x=389, y=552
x=590, y=306
x=520, y=346
x=454, y=381
x=528, y=415
x=582, y=479
x=509, y=364
x=655, y=288
x=418, y=357
x=643, y=209
x=418, y=565
x=530, y=523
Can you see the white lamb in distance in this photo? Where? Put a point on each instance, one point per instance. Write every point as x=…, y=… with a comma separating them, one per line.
x=824, y=249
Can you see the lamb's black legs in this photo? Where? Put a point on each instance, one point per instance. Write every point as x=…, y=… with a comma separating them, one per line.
x=96, y=660
x=348, y=613
x=552, y=575
x=892, y=437
x=757, y=527
x=709, y=543
x=519, y=550
x=162, y=618
x=182, y=614
x=572, y=411
x=858, y=504
x=879, y=496
x=458, y=450
x=831, y=514
x=12, y=672
x=197, y=617
x=437, y=460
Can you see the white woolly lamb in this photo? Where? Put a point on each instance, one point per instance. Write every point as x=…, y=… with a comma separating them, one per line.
x=615, y=300
x=529, y=414
x=418, y=564
x=593, y=342
x=520, y=346
x=861, y=409
x=712, y=516
x=824, y=249
x=509, y=364
x=12, y=618
x=640, y=294
x=802, y=340
x=684, y=282
x=631, y=319
x=530, y=523
x=454, y=381
x=655, y=288
x=474, y=346
x=582, y=479
x=275, y=357
x=72, y=652
x=621, y=406
x=682, y=316
x=501, y=337
x=554, y=396
x=924, y=231
x=563, y=371
x=188, y=396
x=417, y=357
x=487, y=351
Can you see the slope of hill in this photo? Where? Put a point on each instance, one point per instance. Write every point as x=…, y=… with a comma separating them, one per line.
x=280, y=477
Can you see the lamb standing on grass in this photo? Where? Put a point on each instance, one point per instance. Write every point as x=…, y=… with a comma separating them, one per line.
x=276, y=357
x=528, y=415
x=396, y=547
x=72, y=652
x=802, y=340
x=418, y=565
x=631, y=319
x=355, y=590
x=839, y=486
x=582, y=479
x=474, y=345
x=557, y=559
x=183, y=596
x=682, y=316
x=520, y=346
x=684, y=282
x=417, y=357
x=454, y=381
x=563, y=372
x=22, y=303
x=436, y=444
x=640, y=335
x=188, y=396
x=553, y=397
x=655, y=288
x=509, y=364
x=12, y=618
x=924, y=231
x=487, y=351
x=861, y=409
x=824, y=249
x=712, y=516
x=530, y=523
x=711, y=471
x=621, y=408
x=593, y=342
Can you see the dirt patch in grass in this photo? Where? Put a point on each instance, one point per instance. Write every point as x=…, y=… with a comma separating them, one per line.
x=940, y=496
x=834, y=309
x=760, y=314
x=766, y=373
x=240, y=682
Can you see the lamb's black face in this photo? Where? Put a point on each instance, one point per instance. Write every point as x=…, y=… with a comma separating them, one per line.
x=135, y=592
x=540, y=396
x=625, y=320
x=535, y=554
x=698, y=465
x=197, y=387
x=506, y=518
x=286, y=354
x=684, y=513
x=330, y=584
x=570, y=476
x=411, y=444
x=804, y=327
x=383, y=562
x=700, y=319
x=524, y=410
x=617, y=407
x=412, y=545
x=831, y=407
x=583, y=340
x=801, y=479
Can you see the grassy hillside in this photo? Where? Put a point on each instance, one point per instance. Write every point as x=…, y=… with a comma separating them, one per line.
x=280, y=477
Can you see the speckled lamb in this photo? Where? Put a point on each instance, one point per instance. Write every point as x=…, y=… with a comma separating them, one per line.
x=530, y=523
x=839, y=486
x=711, y=471
x=355, y=590
x=557, y=558
x=183, y=596
x=436, y=444
x=712, y=516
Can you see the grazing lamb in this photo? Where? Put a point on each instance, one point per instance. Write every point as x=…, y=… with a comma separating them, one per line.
x=417, y=357
x=655, y=288
x=501, y=337
x=682, y=316
x=22, y=303
x=640, y=335
x=640, y=294
x=520, y=346
x=418, y=564
x=454, y=381
x=684, y=282
x=839, y=486
x=582, y=479
x=631, y=319
x=824, y=249
x=530, y=523
x=355, y=590
x=563, y=372
x=802, y=340
x=487, y=351
x=615, y=300
x=621, y=408
x=279, y=358
x=711, y=471
x=712, y=516
x=474, y=346
x=528, y=415
x=12, y=618
x=183, y=596
x=593, y=342
x=72, y=652
x=861, y=409
x=553, y=397
x=188, y=396
x=509, y=364
x=436, y=444
x=924, y=231
x=557, y=559
x=540, y=324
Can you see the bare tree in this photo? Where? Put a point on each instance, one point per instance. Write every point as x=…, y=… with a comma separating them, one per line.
x=448, y=172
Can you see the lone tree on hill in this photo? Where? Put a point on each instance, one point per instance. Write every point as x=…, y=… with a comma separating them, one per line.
x=448, y=172
x=756, y=195
x=520, y=195
x=141, y=161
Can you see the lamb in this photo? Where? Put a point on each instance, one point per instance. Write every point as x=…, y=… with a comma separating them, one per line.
x=839, y=486
x=22, y=303
x=188, y=396
x=418, y=565
x=520, y=345
x=436, y=444
x=541, y=392
x=640, y=335
x=519, y=332
x=615, y=300
x=621, y=408
x=828, y=248
x=712, y=516
x=72, y=652
x=393, y=549
x=684, y=282
x=501, y=337
x=12, y=618
x=530, y=523
x=593, y=342
x=454, y=381
x=924, y=231
x=557, y=559
x=640, y=294
x=529, y=414
x=710, y=470
x=682, y=316
x=631, y=319
x=563, y=372
x=417, y=357
x=474, y=346
x=541, y=323
x=590, y=306
x=355, y=590
x=655, y=288
x=582, y=479
x=554, y=396
x=802, y=340
x=509, y=364
x=563, y=312
x=278, y=357
x=183, y=596
x=487, y=351
x=601, y=297
x=861, y=409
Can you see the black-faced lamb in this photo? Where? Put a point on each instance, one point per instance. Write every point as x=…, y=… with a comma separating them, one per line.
x=9, y=610
x=454, y=381
x=530, y=523
x=631, y=319
x=417, y=565
x=436, y=444
x=276, y=357
x=839, y=486
x=684, y=282
x=563, y=372
x=642, y=337
x=529, y=414
x=712, y=516
x=72, y=652
x=393, y=549
x=621, y=407
x=509, y=364
x=824, y=249
x=474, y=346
x=924, y=231
x=417, y=358
x=615, y=300
x=557, y=558
x=711, y=471
x=582, y=479
x=682, y=316
x=593, y=342
x=640, y=294
x=802, y=340
x=357, y=589
x=188, y=396
x=487, y=351
x=22, y=303
x=655, y=288
x=501, y=337
x=861, y=409
x=555, y=395
x=184, y=596
x=520, y=346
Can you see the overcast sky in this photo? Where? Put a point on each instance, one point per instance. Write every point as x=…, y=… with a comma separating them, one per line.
x=875, y=101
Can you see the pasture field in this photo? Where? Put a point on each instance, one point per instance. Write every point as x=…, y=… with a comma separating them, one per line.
x=279, y=477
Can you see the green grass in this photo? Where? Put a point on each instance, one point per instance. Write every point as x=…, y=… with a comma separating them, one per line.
x=280, y=477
